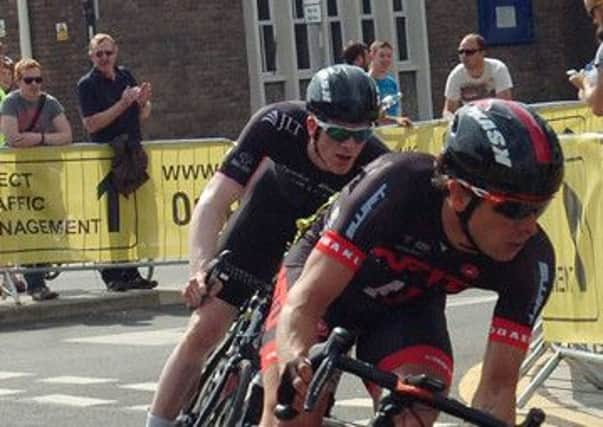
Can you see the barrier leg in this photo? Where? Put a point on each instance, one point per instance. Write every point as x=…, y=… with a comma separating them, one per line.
x=536, y=351
x=9, y=288
x=540, y=377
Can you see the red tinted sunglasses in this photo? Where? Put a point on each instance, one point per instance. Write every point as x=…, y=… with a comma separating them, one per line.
x=508, y=206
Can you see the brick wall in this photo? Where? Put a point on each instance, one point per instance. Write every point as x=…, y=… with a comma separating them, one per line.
x=564, y=38
x=193, y=52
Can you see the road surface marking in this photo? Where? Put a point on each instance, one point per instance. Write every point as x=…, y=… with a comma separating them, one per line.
x=157, y=337
x=9, y=391
x=141, y=408
x=140, y=386
x=356, y=403
x=5, y=375
x=77, y=380
x=68, y=400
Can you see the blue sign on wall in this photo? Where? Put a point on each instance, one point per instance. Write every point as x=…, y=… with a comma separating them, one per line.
x=506, y=21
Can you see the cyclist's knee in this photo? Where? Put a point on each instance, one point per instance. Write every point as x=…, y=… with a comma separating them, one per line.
x=207, y=327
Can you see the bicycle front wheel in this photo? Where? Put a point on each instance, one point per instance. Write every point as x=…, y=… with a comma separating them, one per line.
x=227, y=410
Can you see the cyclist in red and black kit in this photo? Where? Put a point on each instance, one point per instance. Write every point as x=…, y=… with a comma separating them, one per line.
x=410, y=229
x=290, y=158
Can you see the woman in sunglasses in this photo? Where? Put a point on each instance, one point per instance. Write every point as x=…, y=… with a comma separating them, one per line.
x=31, y=116
x=475, y=77
x=406, y=232
x=289, y=159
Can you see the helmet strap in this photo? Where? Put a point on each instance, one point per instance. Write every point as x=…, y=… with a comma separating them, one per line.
x=314, y=142
x=464, y=218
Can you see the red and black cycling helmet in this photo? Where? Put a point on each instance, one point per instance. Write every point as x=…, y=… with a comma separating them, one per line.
x=505, y=148
x=344, y=93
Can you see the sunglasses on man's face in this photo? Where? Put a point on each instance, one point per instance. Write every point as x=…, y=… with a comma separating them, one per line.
x=341, y=133
x=30, y=80
x=520, y=210
x=509, y=208
x=100, y=53
x=467, y=52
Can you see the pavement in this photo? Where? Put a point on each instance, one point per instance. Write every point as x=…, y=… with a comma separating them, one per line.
x=83, y=292
x=566, y=396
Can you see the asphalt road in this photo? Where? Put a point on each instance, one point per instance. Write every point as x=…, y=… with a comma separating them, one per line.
x=101, y=370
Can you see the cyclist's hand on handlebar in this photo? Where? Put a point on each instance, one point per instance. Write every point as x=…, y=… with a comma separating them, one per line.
x=197, y=290
x=294, y=382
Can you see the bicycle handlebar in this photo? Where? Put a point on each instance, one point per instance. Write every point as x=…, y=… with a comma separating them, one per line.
x=330, y=356
x=220, y=268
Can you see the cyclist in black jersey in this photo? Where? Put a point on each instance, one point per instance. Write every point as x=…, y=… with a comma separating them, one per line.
x=407, y=231
x=289, y=159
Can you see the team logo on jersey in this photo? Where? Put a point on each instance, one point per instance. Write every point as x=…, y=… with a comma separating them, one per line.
x=341, y=250
x=470, y=271
x=417, y=274
x=510, y=333
x=385, y=290
x=543, y=290
x=283, y=122
x=414, y=246
x=371, y=203
x=244, y=161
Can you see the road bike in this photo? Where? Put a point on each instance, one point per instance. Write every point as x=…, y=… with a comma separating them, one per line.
x=229, y=392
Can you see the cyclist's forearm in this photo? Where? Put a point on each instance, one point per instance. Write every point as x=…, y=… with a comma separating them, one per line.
x=497, y=400
x=295, y=333
x=209, y=216
x=205, y=225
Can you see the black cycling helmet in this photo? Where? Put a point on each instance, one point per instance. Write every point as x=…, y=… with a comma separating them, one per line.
x=504, y=147
x=345, y=93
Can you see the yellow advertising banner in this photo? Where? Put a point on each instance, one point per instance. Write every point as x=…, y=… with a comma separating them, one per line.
x=55, y=208
x=564, y=118
x=570, y=117
x=574, y=224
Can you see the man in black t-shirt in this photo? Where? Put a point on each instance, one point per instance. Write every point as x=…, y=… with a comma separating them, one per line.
x=407, y=231
x=290, y=158
x=113, y=104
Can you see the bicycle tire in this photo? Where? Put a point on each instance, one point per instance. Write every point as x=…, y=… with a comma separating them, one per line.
x=227, y=411
x=190, y=413
x=251, y=410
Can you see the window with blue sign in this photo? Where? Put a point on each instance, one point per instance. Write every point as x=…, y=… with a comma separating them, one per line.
x=506, y=21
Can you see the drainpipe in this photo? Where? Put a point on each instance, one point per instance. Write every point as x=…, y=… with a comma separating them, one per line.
x=24, y=30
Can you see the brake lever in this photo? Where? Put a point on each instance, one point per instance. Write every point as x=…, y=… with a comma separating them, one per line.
x=339, y=342
x=535, y=418
x=325, y=371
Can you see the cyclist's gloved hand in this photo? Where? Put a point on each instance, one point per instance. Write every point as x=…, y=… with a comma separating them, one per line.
x=197, y=290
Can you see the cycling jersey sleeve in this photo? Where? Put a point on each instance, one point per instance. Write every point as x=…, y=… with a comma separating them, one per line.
x=244, y=158
x=369, y=209
x=524, y=293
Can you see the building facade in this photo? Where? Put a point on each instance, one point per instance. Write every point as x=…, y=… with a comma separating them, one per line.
x=213, y=62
